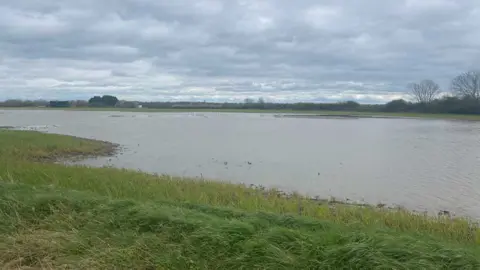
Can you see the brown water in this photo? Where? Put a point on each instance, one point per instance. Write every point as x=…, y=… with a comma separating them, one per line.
x=420, y=164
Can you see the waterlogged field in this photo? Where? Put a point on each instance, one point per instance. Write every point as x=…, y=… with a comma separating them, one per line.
x=423, y=165
x=284, y=111
x=56, y=216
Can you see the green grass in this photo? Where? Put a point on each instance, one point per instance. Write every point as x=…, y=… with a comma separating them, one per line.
x=36, y=146
x=53, y=216
x=416, y=115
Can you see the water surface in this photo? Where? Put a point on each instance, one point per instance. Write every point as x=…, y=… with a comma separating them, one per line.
x=420, y=164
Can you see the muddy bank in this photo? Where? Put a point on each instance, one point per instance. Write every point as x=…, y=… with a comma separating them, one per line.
x=108, y=149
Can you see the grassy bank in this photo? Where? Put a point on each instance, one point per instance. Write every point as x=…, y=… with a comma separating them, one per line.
x=54, y=216
x=367, y=114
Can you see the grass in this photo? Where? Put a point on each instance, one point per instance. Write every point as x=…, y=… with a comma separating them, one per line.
x=53, y=216
x=468, y=117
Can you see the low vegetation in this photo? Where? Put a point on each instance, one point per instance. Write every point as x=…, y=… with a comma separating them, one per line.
x=54, y=216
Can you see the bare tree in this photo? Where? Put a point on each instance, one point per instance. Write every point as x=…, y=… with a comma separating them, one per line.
x=425, y=91
x=467, y=85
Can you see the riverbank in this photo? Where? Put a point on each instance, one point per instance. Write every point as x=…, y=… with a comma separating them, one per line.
x=294, y=112
x=53, y=215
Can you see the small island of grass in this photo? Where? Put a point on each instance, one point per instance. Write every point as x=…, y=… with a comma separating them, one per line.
x=55, y=216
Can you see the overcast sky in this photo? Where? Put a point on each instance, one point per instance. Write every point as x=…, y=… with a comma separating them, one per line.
x=214, y=50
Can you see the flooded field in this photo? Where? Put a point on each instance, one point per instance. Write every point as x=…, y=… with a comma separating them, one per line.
x=420, y=164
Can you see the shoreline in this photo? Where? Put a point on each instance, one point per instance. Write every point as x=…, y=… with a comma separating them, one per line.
x=113, y=149
x=110, y=149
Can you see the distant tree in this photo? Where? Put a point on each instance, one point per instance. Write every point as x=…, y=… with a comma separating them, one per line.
x=424, y=92
x=249, y=101
x=106, y=100
x=59, y=104
x=467, y=85
x=398, y=105
x=13, y=103
x=96, y=101
x=40, y=103
x=351, y=105
x=260, y=104
x=79, y=103
x=18, y=103
x=109, y=101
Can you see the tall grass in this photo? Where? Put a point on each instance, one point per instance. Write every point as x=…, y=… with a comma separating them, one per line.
x=132, y=219
x=56, y=228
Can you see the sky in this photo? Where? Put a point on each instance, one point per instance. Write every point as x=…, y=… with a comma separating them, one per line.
x=214, y=50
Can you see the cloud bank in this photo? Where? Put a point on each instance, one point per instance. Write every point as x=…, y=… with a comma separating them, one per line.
x=214, y=50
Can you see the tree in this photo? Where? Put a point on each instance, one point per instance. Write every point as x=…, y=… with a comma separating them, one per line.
x=106, y=100
x=424, y=92
x=249, y=101
x=351, y=105
x=467, y=85
x=398, y=105
x=261, y=103
x=96, y=101
x=109, y=101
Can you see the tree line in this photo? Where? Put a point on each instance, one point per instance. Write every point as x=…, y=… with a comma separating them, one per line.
x=462, y=97
x=96, y=101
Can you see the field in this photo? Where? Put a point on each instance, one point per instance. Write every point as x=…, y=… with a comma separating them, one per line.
x=468, y=117
x=58, y=217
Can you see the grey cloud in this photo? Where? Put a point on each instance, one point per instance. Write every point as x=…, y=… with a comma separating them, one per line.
x=281, y=50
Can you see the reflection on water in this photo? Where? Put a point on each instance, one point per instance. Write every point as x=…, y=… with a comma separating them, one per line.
x=420, y=164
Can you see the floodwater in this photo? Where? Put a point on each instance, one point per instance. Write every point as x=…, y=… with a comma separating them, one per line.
x=420, y=164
